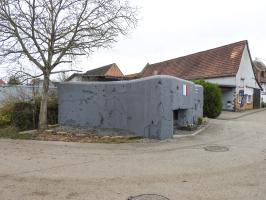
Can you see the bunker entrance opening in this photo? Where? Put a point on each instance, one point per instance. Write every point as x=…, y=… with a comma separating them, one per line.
x=179, y=118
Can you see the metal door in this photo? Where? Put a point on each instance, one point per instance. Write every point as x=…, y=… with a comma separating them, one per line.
x=256, y=98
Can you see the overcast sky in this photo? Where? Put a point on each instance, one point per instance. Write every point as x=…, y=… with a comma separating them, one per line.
x=172, y=28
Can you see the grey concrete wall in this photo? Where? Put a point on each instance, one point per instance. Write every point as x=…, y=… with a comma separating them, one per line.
x=143, y=106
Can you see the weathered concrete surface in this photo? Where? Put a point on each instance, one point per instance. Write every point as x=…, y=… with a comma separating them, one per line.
x=144, y=106
x=180, y=169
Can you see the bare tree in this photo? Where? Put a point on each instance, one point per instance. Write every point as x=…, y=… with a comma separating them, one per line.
x=53, y=32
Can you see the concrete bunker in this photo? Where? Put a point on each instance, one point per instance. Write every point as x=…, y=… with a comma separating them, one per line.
x=148, y=107
x=179, y=116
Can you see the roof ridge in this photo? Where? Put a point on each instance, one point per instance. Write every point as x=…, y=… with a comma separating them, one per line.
x=219, y=61
x=199, y=52
x=105, y=66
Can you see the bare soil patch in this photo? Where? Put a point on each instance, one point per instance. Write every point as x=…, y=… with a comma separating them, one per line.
x=87, y=135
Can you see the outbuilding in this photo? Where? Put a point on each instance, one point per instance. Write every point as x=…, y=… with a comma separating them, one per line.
x=229, y=66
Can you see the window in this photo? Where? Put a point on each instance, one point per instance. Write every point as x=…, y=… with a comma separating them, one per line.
x=262, y=74
x=249, y=99
x=241, y=96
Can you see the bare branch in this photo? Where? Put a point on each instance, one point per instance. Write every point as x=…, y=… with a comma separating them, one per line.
x=50, y=33
x=64, y=71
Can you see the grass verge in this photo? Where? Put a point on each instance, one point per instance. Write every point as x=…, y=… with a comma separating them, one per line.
x=12, y=133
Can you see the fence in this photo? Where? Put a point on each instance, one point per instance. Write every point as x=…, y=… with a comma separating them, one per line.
x=22, y=91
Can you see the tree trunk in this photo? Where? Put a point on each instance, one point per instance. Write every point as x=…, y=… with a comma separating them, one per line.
x=43, y=109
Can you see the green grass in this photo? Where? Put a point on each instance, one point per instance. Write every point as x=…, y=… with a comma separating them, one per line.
x=12, y=133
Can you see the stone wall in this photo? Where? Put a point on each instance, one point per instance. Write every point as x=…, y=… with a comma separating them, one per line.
x=144, y=107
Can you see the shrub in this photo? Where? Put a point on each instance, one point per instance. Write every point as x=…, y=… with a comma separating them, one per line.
x=263, y=104
x=4, y=121
x=6, y=110
x=22, y=116
x=25, y=114
x=199, y=120
x=13, y=80
x=212, y=106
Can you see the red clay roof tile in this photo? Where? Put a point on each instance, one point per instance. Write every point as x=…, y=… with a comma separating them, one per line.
x=111, y=70
x=217, y=62
x=2, y=82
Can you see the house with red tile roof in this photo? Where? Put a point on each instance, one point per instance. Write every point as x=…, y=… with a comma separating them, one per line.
x=229, y=66
x=109, y=72
x=2, y=82
x=260, y=71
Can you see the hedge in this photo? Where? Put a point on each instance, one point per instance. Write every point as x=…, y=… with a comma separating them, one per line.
x=22, y=116
x=212, y=106
x=25, y=114
x=4, y=121
x=6, y=108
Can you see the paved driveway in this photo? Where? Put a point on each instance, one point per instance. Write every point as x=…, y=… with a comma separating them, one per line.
x=177, y=169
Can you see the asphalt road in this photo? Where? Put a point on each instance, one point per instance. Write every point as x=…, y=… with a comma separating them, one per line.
x=180, y=169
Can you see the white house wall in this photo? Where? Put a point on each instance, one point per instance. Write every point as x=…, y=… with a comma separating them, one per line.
x=225, y=81
x=245, y=81
x=263, y=93
x=245, y=78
